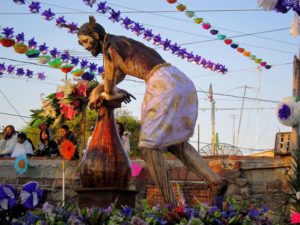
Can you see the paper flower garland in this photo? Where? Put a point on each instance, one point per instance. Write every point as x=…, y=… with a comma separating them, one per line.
x=8, y=197
x=21, y=164
x=222, y=37
x=31, y=195
x=67, y=149
x=12, y=70
x=288, y=111
x=138, y=29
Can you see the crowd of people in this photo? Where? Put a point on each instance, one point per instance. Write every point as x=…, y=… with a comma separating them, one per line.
x=15, y=143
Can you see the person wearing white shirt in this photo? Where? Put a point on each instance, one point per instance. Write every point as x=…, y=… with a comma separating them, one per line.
x=124, y=135
x=23, y=146
x=9, y=141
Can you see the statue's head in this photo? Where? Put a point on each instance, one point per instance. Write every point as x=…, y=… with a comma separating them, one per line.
x=91, y=36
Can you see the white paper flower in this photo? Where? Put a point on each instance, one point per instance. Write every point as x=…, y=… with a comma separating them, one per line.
x=288, y=111
x=267, y=5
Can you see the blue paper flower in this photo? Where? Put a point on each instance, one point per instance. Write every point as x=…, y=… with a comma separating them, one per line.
x=19, y=2
x=20, y=72
x=74, y=60
x=83, y=64
x=43, y=48
x=10, y=69
x=93, y=67
x=65, y=56
x=100, y=69
x=29, y=73
x=89, y=2
x=31, y=195
x=73, y=28
x=21, y=164
x=2, y=68
x=102, y=8
x=8, y=32
x=148, y=35
x=54, y=53
x=166, y=44
x=41, y=76
x=115, y=16
x=34, y=7
x=156, y=39
x=174, y=48
x=8, y=196
x=137, y=29
x=60, y=20
x=32, y=43
x=127, y=23
x=284, y=112
x=197, y=59
x=20, y=38
x=48, y=14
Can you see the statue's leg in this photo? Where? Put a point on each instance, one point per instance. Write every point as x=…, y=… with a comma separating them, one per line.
x=187, y=154
x=158, y=169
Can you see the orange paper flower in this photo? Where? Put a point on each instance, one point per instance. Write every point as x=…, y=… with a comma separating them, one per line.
x=67, y=149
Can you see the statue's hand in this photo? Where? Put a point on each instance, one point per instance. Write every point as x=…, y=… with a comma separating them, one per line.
x=126, y=95
x=95, y=99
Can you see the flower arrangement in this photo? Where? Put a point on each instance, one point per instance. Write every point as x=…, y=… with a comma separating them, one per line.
x=69, y=101
x=146, y=215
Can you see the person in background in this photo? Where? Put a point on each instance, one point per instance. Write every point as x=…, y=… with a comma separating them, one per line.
x=124, y=135
x=8, y=141
x=89, y=139
x=66, y=134
x=47, y=146
x=24, y=146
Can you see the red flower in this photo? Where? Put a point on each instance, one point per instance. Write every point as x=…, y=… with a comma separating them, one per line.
x=180, y=210
x=59, y=95
x=67, y=149
x=68, y=111
x=81, y=88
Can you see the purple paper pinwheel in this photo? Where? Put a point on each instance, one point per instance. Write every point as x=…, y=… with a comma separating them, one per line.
x=31, y=195
x=8, y=196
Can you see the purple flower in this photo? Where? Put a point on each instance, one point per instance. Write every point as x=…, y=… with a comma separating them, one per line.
x=148, y=35
x=20, y=72
x=197, y=59
x=203, y=63
x=19, y=2
x=34, y=7
x=10, y=69
x=223, y=69
x=89, y=2
x=48, y=15
x=253, y=213
x=137, y=29
x=29, y=73
x=115, y=16
x=87, y=76
x=190, y=56
x=174, y=48
x=54, y=53
x=83, y=64
x=284, y=112
x=93, y=67
x=126, y=211
x=8, y=32
x=8, y=196
x=214, y=32
x=166, y=44
x=60, y=20
x=212, y=210
x=100, y=69
x=74, y=60
x=284, y=6
x=32, y=43
x=43, y=48
x=156, y=39
x=73, y=28
x=2, y=68
x=65, y=56
x=20, y=38
x=210, y=65
x=41, y=76
x=127, y=23
x=182, y=53
x=102, y=8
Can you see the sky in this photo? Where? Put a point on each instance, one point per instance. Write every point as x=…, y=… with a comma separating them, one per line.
x=255, y=127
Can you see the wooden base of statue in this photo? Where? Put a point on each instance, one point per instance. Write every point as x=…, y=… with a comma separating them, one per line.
x=105, y=168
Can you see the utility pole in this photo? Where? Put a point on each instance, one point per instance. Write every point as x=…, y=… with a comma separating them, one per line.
x=294, y=141
x=213, y=123
x=233, y=117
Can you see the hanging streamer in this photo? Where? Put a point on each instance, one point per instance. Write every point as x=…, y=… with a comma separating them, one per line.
x=207, y=26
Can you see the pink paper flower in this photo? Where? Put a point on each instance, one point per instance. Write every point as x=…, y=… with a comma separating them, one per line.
x=295, y=218
x=136, y=169
x=59, y=95
x=81, y=88
x=67, y=111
